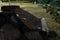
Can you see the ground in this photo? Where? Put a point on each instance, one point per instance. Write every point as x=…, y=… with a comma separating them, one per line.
x=39, y=12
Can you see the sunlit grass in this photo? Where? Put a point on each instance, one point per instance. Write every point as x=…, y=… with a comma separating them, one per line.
x=39, y=12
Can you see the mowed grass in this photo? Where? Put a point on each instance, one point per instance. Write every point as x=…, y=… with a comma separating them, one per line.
x=39, y=12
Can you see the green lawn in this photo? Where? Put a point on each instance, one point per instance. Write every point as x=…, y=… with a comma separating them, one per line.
x=39, y=12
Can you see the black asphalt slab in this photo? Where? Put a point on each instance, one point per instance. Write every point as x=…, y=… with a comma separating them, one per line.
x=28, y=25
x=27, y=18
